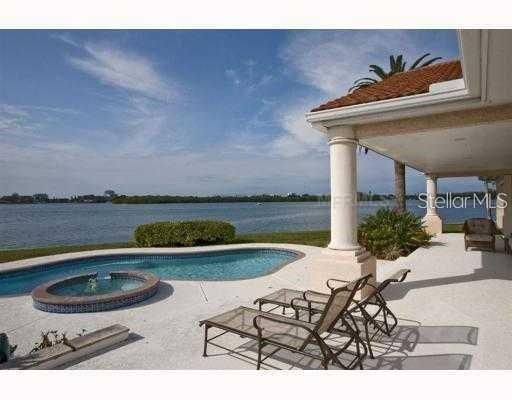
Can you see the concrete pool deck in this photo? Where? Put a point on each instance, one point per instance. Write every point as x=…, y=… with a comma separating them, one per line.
x=454, y=311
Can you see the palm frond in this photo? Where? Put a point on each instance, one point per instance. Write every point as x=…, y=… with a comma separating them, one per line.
x=378, y=71
x=372, y=80
x=392, y=63
x=358, y=86
x=418, y=60
x=399, y=63
x=432, y=60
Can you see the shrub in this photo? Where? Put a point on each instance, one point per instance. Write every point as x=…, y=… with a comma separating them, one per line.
x=183, y=233
x=389, y=234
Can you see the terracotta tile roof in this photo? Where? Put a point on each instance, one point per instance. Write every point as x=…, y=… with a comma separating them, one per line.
x=399, y=85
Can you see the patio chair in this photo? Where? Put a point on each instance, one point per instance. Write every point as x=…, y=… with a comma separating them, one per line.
x=374, y=306
x=295, y=335
x=371, y=307
x=480, y=232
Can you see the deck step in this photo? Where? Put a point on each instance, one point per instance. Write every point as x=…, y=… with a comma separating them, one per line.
x=60, y=354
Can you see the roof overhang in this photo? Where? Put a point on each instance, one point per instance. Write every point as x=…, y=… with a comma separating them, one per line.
x=428, y=131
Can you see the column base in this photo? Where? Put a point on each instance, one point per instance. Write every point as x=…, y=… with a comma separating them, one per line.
x=334, y=246
x=342, y=264
x=433, y=224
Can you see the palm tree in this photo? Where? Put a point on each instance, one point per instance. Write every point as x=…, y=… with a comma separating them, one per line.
x=396, y=65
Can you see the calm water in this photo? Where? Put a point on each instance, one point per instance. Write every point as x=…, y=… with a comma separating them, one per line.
x=219, y=265
x=32, y=225
x=97, y=287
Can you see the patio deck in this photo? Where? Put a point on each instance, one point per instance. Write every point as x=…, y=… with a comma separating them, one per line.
x=454, y=313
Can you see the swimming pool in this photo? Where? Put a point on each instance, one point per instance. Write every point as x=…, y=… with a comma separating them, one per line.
x=211, y=265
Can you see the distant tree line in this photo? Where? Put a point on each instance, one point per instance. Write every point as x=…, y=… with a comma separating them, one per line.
x=111, y=196
x=38, y=198
x=261, y=198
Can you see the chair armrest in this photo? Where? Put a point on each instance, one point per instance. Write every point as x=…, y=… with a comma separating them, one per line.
x=317, y=297
x=400, y=275
x=331, y=283
x=297, y=302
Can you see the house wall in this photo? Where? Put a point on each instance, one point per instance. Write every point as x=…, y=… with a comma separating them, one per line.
x=504, y=215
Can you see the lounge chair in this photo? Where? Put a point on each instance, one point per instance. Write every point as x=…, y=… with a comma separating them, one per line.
x=480, y=232
x=295, y=335
x=372, y=307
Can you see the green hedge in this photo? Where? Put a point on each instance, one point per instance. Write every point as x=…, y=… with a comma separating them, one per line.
x=389, y=234
x=183, y=233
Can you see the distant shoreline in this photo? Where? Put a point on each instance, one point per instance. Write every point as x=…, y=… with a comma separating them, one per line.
x=172, y=199
x=43, y=198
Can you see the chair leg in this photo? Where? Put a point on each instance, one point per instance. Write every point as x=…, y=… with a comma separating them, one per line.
x=260, y=346
x=395, y=319
x=365, y=351
x=385, y=315
x=206, y=327
x=368, y=342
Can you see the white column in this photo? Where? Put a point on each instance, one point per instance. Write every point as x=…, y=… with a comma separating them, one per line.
x=504, y=203
x=343, y=258
x=343, y=190
x=431, y=194
x=432, y=222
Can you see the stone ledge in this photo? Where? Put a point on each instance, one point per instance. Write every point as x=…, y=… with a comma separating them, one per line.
x=78, y=347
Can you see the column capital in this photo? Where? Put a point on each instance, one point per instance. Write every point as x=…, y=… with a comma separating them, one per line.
x=340, y=140
x=340, y=132
x=431, y=176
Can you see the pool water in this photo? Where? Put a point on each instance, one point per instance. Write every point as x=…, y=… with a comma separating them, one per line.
x=213, y=266
x=96, y=287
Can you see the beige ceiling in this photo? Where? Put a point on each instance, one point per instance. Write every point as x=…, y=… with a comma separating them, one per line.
x=472, y=150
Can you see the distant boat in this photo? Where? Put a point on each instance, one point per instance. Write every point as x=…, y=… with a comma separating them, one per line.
x=259, y=204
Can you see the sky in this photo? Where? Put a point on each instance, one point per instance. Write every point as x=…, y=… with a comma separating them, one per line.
x=187, y=111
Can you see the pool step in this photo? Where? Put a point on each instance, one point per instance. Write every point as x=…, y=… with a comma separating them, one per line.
x=61, y=354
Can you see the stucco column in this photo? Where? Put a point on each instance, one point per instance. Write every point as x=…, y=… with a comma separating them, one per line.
x=431, y=194
x=343, y=190
x=344, y=258
x=432, y=221
x=503, y=203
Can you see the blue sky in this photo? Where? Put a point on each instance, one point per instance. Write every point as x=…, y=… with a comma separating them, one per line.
x=186, y=112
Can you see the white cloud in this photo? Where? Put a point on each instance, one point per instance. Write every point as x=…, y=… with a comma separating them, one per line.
x=298, y=136
x=331, y=60
x=142, y=124
x=248, y=76
x=66, y=38
x=126, y=70
x=233, y=76
x=16, y=122
x=223, y=168
x=143, y=109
